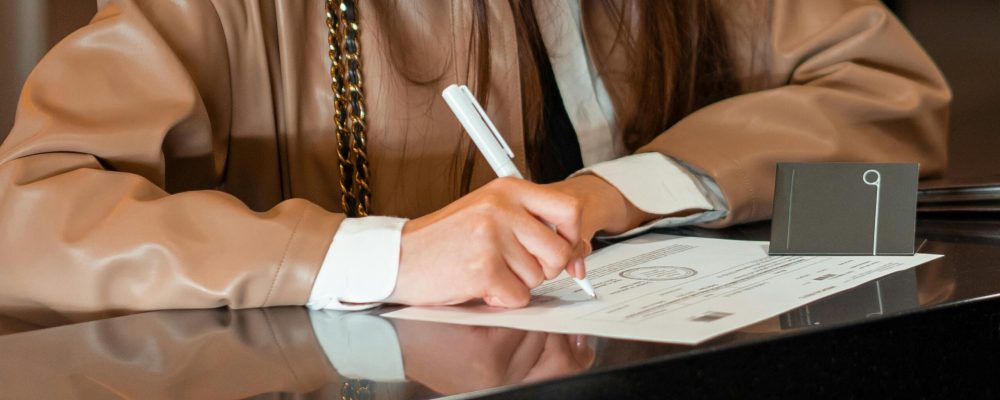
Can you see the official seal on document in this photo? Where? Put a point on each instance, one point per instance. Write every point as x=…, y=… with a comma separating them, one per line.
x=658, y=273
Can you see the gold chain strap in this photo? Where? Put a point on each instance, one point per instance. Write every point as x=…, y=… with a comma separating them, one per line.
x=348, y=106
x=357, y=389
x=352, y=140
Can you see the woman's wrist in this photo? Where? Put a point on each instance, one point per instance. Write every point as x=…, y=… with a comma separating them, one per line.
x=605, y=207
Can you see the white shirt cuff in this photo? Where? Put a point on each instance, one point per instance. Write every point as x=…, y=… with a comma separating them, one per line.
x=360, y=266
x=658, y=184
x=359, y=345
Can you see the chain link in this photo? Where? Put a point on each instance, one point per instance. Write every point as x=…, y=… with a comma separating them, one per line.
x=348, y=106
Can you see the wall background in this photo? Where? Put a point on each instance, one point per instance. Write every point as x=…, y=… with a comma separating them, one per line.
x=28, y=28
x=962, y=36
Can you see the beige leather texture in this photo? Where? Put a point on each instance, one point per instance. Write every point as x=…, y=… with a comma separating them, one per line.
x=180, y=154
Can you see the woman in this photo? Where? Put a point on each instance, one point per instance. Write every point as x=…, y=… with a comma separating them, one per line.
x=185, y=154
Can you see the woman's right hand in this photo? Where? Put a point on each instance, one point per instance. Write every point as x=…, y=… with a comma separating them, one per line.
x=495, y=243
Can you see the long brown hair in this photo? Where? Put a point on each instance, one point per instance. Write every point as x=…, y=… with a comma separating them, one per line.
x=679, y=50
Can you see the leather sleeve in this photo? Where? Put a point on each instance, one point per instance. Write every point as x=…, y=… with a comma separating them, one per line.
x=89, y=222
x=842, y=81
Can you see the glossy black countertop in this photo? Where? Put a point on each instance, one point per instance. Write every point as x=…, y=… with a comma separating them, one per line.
x=932, y=331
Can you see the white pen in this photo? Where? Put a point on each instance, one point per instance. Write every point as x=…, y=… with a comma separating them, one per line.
x=487, y=138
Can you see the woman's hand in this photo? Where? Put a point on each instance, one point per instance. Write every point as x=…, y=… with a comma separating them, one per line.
x=604, y=209
x=495, y=243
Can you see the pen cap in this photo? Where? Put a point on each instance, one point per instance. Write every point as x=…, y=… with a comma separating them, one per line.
x=482, y=131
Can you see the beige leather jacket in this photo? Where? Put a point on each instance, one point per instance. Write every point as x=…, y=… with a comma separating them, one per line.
x=180, y=154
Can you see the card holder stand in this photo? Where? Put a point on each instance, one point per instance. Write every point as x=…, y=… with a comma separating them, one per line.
x=844, y=209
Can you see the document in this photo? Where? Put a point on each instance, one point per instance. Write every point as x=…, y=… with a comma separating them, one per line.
x=675, y=289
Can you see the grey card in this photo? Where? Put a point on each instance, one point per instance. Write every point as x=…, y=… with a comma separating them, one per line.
x=844, y=209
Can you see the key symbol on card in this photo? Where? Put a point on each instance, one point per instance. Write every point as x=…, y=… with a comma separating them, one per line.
x=877, y=182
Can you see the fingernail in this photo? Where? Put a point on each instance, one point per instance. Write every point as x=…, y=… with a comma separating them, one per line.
x=581, y=269
x=581, y=341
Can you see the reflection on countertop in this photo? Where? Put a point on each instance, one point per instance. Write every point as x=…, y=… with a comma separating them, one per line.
x=210, y=354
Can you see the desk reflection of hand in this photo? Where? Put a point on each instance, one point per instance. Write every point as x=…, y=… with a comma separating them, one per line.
x=457, y=358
